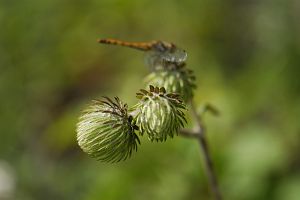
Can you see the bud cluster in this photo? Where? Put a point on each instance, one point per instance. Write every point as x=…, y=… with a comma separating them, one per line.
x=106, y=129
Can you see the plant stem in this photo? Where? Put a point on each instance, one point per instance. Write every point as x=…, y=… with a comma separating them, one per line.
x=199, y=134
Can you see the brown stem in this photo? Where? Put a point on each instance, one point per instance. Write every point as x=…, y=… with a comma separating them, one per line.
x=199, y=134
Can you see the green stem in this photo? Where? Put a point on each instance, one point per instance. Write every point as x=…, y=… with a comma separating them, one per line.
x=199, y=134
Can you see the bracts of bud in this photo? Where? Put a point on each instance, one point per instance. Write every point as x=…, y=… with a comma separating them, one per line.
x=160, y=114
x=106, y=132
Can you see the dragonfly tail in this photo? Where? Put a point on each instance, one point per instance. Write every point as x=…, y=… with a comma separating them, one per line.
x=144, y=46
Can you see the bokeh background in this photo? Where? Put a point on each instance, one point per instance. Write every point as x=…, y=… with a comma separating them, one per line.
x=245, y=54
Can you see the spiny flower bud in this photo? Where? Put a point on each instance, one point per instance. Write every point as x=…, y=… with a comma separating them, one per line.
x=174, y=78
x=105, y=131
x=159, y=114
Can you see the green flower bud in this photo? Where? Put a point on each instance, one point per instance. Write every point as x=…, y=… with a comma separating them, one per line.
x=176, y=79
x=105, y=131
x=159, y=114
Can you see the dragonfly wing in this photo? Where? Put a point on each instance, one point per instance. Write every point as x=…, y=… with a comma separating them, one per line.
x=177, y=56
x=154, y=59
x=157, y=59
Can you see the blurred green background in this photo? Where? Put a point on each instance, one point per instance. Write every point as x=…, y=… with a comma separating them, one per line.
x=246, y=56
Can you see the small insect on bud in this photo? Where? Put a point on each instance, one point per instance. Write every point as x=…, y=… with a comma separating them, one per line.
x=105, y=131
x=160, y=114
x=173, y=78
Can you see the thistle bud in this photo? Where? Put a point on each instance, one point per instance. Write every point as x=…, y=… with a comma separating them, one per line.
x=173, y=78
x=159, y=114
x=105, y=131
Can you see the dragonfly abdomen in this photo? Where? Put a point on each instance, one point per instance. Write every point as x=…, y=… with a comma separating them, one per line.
x=144, y=46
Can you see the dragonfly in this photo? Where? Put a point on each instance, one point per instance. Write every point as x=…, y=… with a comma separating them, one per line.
x=158, y=53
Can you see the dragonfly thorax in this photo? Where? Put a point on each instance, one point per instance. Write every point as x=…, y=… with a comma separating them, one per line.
x=162, y=46
x=164, y=55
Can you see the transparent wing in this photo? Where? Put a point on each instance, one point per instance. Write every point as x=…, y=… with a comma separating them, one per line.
x=157, y=59
x=177, y=56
